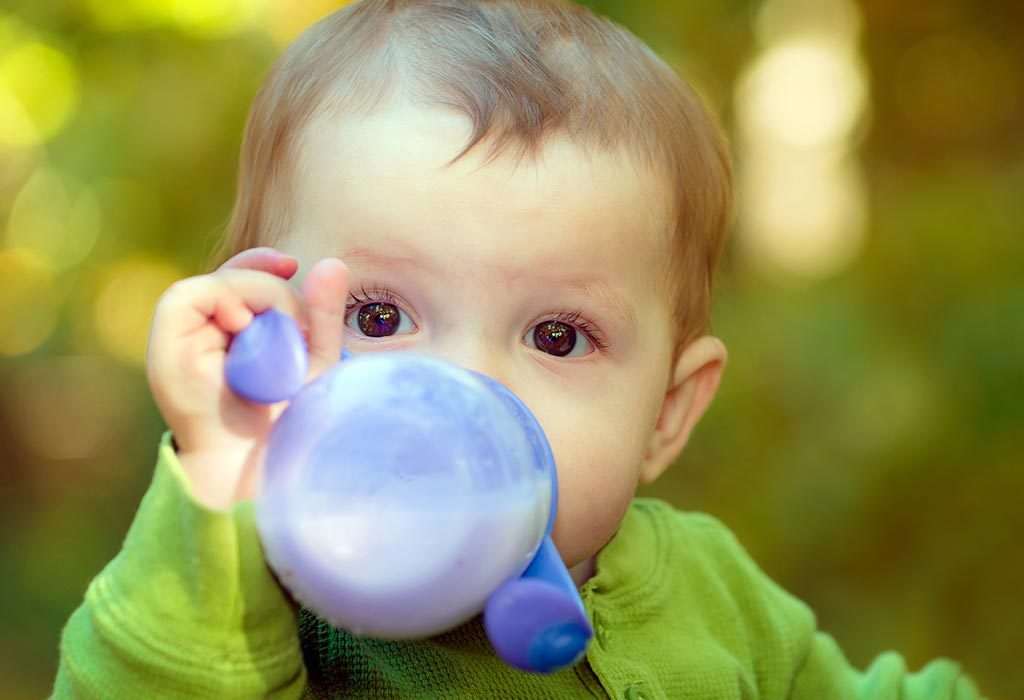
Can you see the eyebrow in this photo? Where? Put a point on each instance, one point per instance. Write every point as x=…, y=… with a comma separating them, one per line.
x=598, y=291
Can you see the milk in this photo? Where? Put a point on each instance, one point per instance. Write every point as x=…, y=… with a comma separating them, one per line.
x=408, y=572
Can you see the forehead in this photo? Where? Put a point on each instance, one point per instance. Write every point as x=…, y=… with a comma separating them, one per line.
x=383, y=183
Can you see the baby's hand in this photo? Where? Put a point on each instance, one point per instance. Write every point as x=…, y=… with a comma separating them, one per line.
x=219, y=436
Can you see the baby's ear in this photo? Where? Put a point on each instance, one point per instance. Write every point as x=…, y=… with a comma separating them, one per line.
x=695, y=379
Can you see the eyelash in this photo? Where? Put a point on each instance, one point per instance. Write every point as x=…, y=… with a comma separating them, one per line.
x=570, y=316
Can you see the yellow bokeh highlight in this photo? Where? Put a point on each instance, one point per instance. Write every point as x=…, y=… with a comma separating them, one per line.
x=208, y=19
x=785, y=20
x=804, y=93
x=29, y=301
x=38, y=89
x=811, y=212
x=284, y=21
x=56, y=216
x=215, y=17
x=124, y=306
x=799, y=106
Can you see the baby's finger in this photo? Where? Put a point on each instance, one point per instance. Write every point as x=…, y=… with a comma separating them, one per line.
x=199, y=314
x=229, y=297
x=265, y=259
x=324, y=290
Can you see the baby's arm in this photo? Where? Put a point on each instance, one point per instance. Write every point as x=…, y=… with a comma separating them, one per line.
x=826, y=673
x=188, y=608
x=792, y=659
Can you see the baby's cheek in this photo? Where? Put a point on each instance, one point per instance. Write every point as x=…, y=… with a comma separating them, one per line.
x=597, y=473
x=593, y=499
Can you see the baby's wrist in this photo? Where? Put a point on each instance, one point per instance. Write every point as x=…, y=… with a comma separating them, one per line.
x=216, y=476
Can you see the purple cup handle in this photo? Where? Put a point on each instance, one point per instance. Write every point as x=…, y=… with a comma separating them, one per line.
x=537, y=622
x=267, y=361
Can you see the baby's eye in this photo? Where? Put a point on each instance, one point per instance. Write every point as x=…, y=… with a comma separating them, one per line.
x=557, y=338
x=378, y=319
x=378, y=314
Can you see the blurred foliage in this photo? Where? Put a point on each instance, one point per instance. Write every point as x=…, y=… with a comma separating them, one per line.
x=866, y=445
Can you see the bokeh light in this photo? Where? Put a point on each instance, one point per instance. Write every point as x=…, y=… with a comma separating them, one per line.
x=811, y=212
x=778, y=21
x=56, y=216
x=798, y=106
x=38, y=86
x=29, y=301
x=124, y=306
x=284, y=21
x=201, y=18
x=803, y=93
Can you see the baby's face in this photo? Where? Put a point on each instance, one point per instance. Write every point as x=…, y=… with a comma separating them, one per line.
x=474, y=264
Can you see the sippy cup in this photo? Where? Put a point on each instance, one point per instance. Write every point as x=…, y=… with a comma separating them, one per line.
x=402, y=495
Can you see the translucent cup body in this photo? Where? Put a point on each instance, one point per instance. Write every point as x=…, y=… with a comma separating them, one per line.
x=399, y=491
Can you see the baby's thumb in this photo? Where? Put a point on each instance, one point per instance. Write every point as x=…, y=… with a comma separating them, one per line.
x=324, y=290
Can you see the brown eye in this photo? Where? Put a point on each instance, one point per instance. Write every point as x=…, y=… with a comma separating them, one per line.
x=555, y=338
x=377, y=320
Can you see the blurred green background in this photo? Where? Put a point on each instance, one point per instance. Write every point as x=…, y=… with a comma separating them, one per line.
x=867, y=442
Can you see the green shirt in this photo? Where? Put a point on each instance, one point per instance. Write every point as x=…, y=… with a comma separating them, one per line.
x=189, y=609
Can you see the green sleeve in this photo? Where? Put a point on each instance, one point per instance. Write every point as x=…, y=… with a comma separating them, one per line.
x=187, y=608
x=827, y=674
x=789, y=657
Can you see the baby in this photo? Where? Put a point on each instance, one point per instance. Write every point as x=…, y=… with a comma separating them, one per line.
x=523, y=189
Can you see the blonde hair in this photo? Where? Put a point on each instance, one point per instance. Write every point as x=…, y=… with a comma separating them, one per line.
x=521, y=71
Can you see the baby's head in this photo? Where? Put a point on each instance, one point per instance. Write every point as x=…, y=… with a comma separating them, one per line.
x=519, y=187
